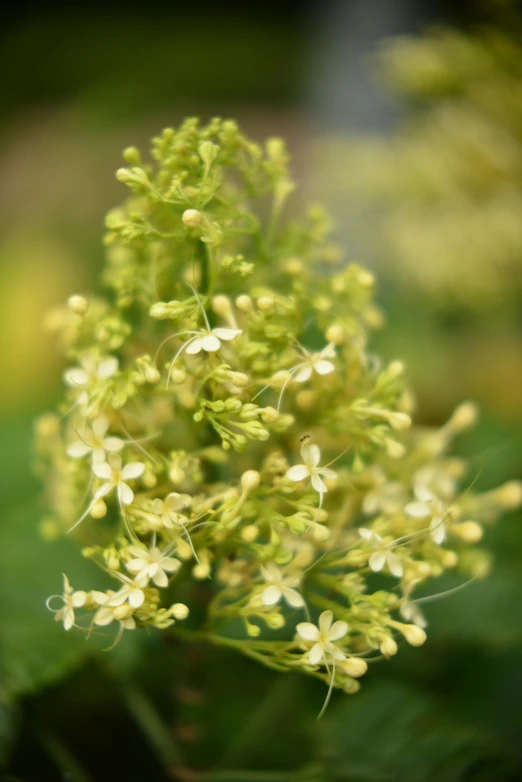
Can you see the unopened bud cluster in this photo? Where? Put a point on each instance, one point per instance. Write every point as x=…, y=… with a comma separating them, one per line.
x=231, y=428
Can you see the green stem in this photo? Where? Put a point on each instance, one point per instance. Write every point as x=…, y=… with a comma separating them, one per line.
x=158, y=735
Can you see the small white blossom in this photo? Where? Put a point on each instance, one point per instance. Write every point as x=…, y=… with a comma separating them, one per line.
x=412, y=613
x=323, y=638
x=311, y=456
x=151, y=564
x=383, y=555
x=93, y=441
x=428, y=505
x=168, y=510
x=91, y=371
x=280, y=586
x=315, y=362
x=210, y=340
x=116, y=476
x=70, y=600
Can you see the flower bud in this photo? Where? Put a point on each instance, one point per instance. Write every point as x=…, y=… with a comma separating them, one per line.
x=266, y=303
x=179, y=611
x=192, y=218
x=354, y=666
x=388, y=646
x=275, y=621
x=468, y=531
x=399, y=421
x=249, y=533
x=269, y=415
x=249, y=480
x=395, y=369
x=222, y=306
x=78, y=304
x=509, y=495
x=99, y=509
x=448, y=558
x=244, y=303
x=414, y=634
x=253, y=630
x=464, y=417
x=335, y=334
x=152, y=375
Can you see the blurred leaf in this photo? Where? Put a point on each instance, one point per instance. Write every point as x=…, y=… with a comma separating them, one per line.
x=390, y=732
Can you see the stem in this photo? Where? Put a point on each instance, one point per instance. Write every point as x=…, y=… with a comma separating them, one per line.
x=152, y=726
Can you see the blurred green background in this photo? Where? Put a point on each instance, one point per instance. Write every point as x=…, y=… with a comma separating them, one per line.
x=81, y=83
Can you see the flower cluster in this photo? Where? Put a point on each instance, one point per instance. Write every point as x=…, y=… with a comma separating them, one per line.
x=224, y=422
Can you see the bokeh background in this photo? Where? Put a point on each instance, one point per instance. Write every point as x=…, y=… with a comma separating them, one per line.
x=408, y=152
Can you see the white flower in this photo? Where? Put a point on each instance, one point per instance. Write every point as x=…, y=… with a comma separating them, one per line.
x=412, y=613
x=428, y=504
x=168, y=510
x=280, y=586
x=209, y=340
x=116, y=476
x=91, y=371
x=112, y=608
x=315, y=362
x=70, y=600
x=151, y=564
x=311, y=456
x=385, y=496
x=131, y=593
x=93, y=441
x=323, y=637
x=383, y=555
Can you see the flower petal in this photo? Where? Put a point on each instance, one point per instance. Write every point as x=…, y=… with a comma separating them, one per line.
x=325, y=621
x=113, y=444
x=107, y=368
x=125, y=494
x=323, y=367
x=76, y=377
x=310, y=453
x=132, y=470
x=394, y=565
x=102, y=470
x=193, y=346
x=298, y=472
x=210, y=343
x=160, y=578
x=170, y=564
x=271, y=595
x=78, y=598
x=226, y=334
x=100, y=425
x=318, y=484
x=438, y=531
x=316, y=654
x=338, y=630
x=327, y=472
x=377, y=560
x=417, y=510
x=303, y=374
x=78, y=449
x=308, y=631
x=103, y=617
x=292, y=597
x=136, y=598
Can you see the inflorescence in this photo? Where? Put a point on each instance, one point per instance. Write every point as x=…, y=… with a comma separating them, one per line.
x=226, y=440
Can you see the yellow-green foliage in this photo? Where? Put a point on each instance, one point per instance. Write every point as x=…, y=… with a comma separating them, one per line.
x=228, y=444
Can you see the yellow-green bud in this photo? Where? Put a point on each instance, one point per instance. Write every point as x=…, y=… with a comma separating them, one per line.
x=192, y=218
x=179, y=611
